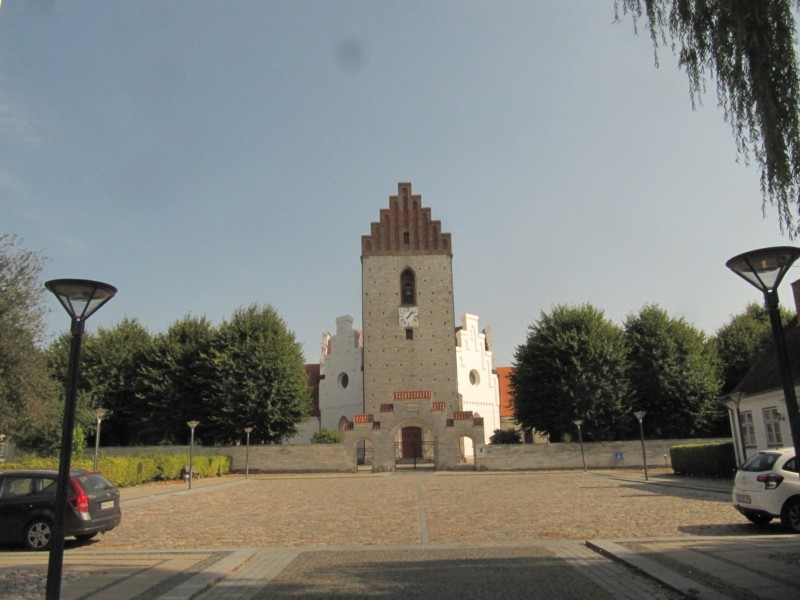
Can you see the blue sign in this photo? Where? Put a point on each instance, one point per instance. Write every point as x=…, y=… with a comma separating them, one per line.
x=618, y=456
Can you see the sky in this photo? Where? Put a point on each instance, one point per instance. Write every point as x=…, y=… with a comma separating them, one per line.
x=205, y=156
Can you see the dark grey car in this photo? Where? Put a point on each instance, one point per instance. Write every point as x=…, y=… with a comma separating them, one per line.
x=27, y=507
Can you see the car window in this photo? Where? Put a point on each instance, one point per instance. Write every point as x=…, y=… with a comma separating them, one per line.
x=94, y=482
x=13, y=487
x=791, y=465
x=763, y=461
x=47, y=486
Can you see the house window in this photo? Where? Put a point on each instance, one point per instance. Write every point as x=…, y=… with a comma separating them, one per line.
x=409, y=334
x=772, y=423
x=748, y=429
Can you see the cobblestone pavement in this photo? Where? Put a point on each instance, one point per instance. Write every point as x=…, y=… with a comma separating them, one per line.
x=419, y=535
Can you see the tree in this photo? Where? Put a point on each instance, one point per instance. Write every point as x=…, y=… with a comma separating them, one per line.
x=572, y=365
x=29, y=408
x=178, y=378
x=674, y=374
x=741, y=340
x=112, y=362
x=259, y=379
x=748, y=46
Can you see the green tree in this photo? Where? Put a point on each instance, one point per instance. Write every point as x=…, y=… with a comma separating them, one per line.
x=178, y=377
x=674, y=375
x=30, y=412
x=741, y=340
x=572, y=365
x=259, y=379
x=748, y=47
x=112, y=362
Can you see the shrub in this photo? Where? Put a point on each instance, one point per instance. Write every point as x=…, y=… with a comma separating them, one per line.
x=327, y=436
x=704, y=460
x=125, y=471
x=505, y=436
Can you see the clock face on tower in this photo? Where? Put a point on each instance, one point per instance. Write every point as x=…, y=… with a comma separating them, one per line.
x=408, y=316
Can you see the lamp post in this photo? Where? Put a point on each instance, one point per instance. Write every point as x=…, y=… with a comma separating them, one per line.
x=192, y=425
x=639, y=414
x=81, y=298
x=765, y=269
x=99, y=413
x=247, y=430
x=578, y=423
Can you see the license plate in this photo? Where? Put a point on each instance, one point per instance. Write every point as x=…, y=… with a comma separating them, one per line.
x=743, y=498
x=106, y=505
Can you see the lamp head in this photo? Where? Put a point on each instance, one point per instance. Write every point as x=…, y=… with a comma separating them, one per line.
x=578, y=422
x=193, y=424
x=248, y=429
x=81, y=298
x=639, y=414
x=766, y=267
x=100, y=413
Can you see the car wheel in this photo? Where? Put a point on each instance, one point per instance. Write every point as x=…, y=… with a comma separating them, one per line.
x=790, y=515
x=85, y=536
x=760, y=520
x=37, y=534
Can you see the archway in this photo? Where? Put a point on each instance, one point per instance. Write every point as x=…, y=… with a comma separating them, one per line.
x=364, y=455
x=414, y=446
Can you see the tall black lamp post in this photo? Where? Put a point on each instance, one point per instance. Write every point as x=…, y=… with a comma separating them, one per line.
x=578, y=423
x=248, y=431
x=81, y=298
x=639, y=414
x=99, y=413
x=765, y=269
x=192, y=425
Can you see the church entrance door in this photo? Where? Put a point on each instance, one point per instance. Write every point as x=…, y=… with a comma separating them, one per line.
x=412, y=442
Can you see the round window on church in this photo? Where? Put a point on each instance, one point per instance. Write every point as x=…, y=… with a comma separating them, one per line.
x=344, y=380
x=474, y=377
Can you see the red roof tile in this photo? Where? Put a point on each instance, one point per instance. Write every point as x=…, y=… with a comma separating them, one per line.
x=506, y=393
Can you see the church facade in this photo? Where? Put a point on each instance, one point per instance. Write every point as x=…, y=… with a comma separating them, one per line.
x=411, y=387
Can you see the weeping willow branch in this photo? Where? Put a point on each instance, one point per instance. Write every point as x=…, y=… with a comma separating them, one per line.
x=748, y=47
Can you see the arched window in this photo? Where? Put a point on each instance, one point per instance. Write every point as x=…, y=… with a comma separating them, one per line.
x=408, y=287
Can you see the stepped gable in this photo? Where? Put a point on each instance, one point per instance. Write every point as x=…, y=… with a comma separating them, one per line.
x=405, y=227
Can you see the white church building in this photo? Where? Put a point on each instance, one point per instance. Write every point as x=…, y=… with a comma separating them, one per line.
x=341, y=385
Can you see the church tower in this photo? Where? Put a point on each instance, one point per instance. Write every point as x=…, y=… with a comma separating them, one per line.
x=408, y=311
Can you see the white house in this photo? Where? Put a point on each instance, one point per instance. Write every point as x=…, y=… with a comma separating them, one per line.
x=757, y=407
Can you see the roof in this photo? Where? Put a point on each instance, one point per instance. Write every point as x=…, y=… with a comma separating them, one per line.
x=506, y=394
x=764, y=375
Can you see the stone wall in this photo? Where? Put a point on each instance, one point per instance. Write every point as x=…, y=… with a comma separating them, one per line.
x=277, y=458
x=598, y=455
x=340, y=458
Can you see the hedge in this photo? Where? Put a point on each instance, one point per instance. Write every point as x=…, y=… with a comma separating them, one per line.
x=704, y=460
x=125, y=471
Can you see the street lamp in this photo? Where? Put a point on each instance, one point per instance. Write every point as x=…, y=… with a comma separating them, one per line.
x=765, y=269
x=81, y=298
x=578, y=423
x=99, y=413
x=639, y=414
x=247, y=430
x=192, y=425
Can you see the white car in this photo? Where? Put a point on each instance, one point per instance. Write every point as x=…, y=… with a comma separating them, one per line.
x=768, y=487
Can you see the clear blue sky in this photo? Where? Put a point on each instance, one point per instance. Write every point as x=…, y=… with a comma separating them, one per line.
x=203, y=156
